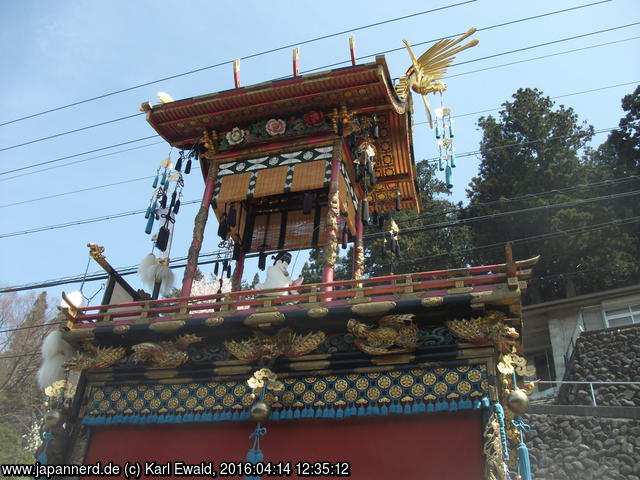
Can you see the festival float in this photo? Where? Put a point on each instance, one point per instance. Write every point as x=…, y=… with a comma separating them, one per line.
x=412, y=376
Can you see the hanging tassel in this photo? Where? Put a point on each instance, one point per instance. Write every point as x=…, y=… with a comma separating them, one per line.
x=173, y=200
x=524, y=466
x=163, y=201
x=453, y=160
x=225, y=264
x=164, y=177
x=232, y=217
x=359, y=172
x=376, y=129
x=262, y=260
x=448, y=175
x=148, y=212
x=372, y=173
x=395, y=246
x=381, y=221
x=440, y=164
x=162, y=240
x=216, y=269
x=176, y=207
x=375, y=217
x=451, y=133
x=228, y=271
x=149, y=226
x=178, y=166
x=340, y=127
x=307, y=203
x=155, y=181
x=237, y=250
x=345, y=236
x=187, y=169
x=438, y=130
x=365, y=211
x=398, y=202
x=222, y=227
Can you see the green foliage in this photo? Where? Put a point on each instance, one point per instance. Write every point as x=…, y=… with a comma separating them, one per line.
x=11, y=450
x=21, y=405
x=533, y=147
x=420, y=251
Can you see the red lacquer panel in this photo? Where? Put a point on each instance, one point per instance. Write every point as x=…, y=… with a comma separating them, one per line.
x=444, y=446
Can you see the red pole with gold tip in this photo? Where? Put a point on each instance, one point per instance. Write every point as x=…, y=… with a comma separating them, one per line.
x=352, y=49
x=296, y=62
x=236, y=72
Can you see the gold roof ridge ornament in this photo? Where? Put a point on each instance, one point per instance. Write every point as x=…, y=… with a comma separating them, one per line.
x=424, y=75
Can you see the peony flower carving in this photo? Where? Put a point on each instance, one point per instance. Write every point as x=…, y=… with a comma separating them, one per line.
x=313, y=118
x=275, y=127
x=236, y=136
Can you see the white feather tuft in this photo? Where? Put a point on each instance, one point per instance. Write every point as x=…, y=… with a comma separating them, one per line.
x=165, y=275
x=147, y=270
x=55, y=351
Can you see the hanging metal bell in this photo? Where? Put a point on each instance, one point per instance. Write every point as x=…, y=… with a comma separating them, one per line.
x=260, y=411
x=518, y=401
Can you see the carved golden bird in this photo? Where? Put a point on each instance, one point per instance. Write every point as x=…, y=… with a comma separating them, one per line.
x=424, y=75
x=284, y=342
x=164, y=354
x=95, y=357
x=394, y=334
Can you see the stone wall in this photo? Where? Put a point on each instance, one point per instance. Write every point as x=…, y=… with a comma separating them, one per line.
x=564, y=447
x=612, y=354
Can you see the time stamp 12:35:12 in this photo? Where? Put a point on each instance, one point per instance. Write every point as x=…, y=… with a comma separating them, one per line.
x=301, y=469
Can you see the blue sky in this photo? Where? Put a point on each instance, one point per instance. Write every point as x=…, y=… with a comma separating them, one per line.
x=55, y=53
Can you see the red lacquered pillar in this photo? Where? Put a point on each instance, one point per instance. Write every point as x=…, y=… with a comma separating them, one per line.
x=198, y=233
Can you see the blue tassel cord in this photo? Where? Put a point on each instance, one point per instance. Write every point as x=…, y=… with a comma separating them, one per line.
x=497, y=408
x=255, y=455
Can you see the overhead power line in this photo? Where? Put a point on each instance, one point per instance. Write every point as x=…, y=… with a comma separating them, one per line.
x=56, y=135
x=576, y=231
x=465, y=221
x=573, y=50
x=246, y=57
x=552, y=98
x=123, y=271
x=388, y=51
x=136, y=212
x=398, y=49
x=519, y=144
x=292, y=45
x=536, y=238
x=618, y=266
x=78, y=154
x=418, y=123
x=359, y=58
x=85, y=221
x=82, y=160
x=528, y=196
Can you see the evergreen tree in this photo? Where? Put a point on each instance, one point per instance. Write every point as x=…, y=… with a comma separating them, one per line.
x=420, y=250
x=532, y=147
